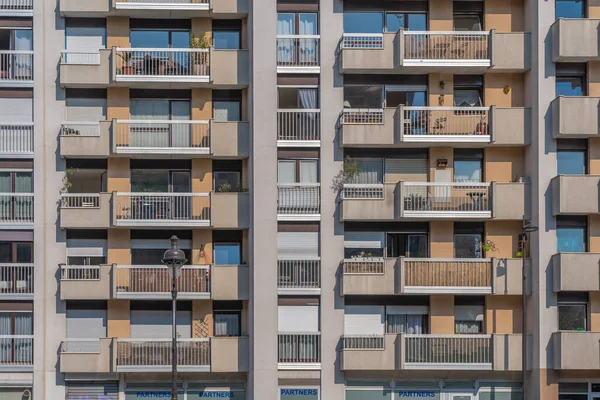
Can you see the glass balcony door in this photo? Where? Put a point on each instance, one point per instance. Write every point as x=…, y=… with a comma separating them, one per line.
x=160, y=134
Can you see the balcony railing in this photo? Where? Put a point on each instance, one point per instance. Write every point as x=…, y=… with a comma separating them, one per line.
x=298, y=50
x=16, y=279
x=80, y=57
x=16, y=350
x=362, y=116
x=145, y=353
x=299, y=198
x=448, y=273
x=167, y=1
x=80, y=272
x=445, y=121
x=80, y=200
x=300, y=348
x=171, y=135
x=162, y=207
x=80, y=346
x=138, y=62
x=16, y=5
x=367, y=265
x=363, y=191
x=80, y=128
x=16, y=208
x=446, y=197
x=140, y=279
x=449, y=47
x=447, y=350
x=16, y=65
x=299, y=125
x=299, y=274
x=16, y=139
x=362, y=342
x=363, y=41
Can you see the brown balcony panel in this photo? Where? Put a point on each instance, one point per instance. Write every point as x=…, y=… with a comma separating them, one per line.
x=230, y=210
x=567, y=195
x=85, y=140
x=576, y=350
x=429, y=275
x=87, y=75
x=87, y=356
x=230, y=67
x=229, y=354
x=230, y=139
x=576, y=272
x=575, y=40
x=575, y=117
x=90, y=212
x=79, y=282
x=230, y=282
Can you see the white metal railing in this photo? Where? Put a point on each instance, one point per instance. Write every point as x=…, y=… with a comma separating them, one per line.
x=438, y=196
x=364, y=265
x=16, y=278
x=16, y=207
x=446, y=121
x=162, y=134
x=16, y=65
x=80, y=200
x=298, y=50
x=299, y=274
x=162, y=206
x=16, y=350
x=91, y=345
x=157, y=279
x=298, y=124
x=16, y=5
x=299, y=198
x=80, y=57
x=362, y=116
x=448, y=349
x=363, y=342
x=163, y=62
x=16, y=138
x=446, y=46
x=451, y=272
x=77, y=128
x=166, y=1
x=298, y=348
x=363, y=191
x=157, y=352
x=80, y=272
x=364, y=41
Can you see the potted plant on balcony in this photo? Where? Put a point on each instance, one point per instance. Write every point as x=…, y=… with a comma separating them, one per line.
x=488, y=245
x=482, y=127
x=224, y=188
x=199, y=59
x=349, y=171
x=126, y=67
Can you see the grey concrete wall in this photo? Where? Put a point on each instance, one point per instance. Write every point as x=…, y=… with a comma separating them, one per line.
x=576, y=272
x=575, y=40
x=567, y=195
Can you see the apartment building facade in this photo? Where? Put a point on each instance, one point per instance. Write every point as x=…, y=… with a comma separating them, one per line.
x=348, y=181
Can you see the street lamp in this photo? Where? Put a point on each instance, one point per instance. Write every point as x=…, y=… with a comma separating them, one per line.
x=174, y=258
x=526, y=228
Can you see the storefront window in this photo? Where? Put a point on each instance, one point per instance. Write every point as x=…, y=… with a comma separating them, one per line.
x=369, y=394
x=290, y=393
x=203, y=393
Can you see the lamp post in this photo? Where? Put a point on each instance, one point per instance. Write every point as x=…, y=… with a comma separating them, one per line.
x=526, y=228
x=174, y=258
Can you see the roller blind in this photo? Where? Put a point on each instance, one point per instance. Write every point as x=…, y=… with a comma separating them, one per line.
x=89, y=110
x=364, y=240
x=85, y=40
x=405, y=170
x=16, y=110
x=298, y=318
x=86, y=324
x=86, y=247
x=92, y=391
x=156, y=324
x=297, y=245
x=364, y=320
x=468, y=313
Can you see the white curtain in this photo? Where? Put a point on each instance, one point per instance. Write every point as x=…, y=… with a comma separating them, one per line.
x=308, y=124
x=402, y=323
x=286, y=171
x=467, y=327
x=308, y=171
x=146, y=135
x=285, y=47
x=227, y=324
x=370, y=172
x=309, y=47
x=467, y=98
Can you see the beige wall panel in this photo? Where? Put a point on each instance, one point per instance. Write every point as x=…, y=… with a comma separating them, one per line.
x=504, y=15
x=441, y=15
x=118, y=175
x=202, y=27
x=201, y=104
x=202, y=248
x=502, y=314
x=117, y=102
x=441, y=314
x=442, y=239
x=119, y=323
x=439, y=97
x=201, y=175
x=202, y=318
x=594, y=156
x=119, y=248
x=505, y=234
x=117, y=32
x=594, y=8
x=494, y=95
x=503, y=164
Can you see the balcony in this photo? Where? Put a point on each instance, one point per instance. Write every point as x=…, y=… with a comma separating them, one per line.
x=229, y=354
x=86, y=69
x=395, y=276
x=576, y=350
x=155, y=282
x=85, y=139
x=299, y=201
x=85, y=210
x=428, y=51
x=161, y=209
x=230, y=210
x=230, y=139
x=16, y=68
x=154, y=8
x=87, y=355
x=16, y=8
x=299, y=277
x=431, y=352
x=567, y=198
x=154, y=355
x=299, y=351
x=575, y=117
x=298, y=128
x=16, y=140
x=17, y=353
x=16, y=281
x=576, y=272
x=447, y=200
x=575, y=40
x=230, y=282
x=16, y=210
x=432, y=126
x=298, y=54
x=86, y=282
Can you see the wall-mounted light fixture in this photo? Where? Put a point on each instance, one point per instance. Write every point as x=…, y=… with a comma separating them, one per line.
x=442, y=84
x=442, y=162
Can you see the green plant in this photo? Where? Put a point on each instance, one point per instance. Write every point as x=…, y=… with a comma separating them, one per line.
x=126, y=56
x=519, y=254
x=225, y=187
x=65, y=183
x=242, y=189
x=196, y=42
x=488, y=245
x=349, y=172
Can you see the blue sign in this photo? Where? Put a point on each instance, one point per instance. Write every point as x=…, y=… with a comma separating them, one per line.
x=299, y=392
x=418, y=394
x=153, y=395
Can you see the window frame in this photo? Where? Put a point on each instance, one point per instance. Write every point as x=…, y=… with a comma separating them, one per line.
x=464, y=14
x=227, y=312
x=297, y=162
x=14, y=245
x=585, y=9
x=298, y=101
x=574, y=304
x=297, y=15
x=13, y=319
x=406, y=20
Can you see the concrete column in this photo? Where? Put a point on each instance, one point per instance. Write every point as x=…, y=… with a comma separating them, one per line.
x=117, y=103
x=441, y=15
x=118, y=175
x=442, y=239
x=441, y=314
x=117, y=32
x=502, y=314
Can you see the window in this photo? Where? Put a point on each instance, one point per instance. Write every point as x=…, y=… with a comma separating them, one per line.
x=467, y=171
x=363, y=96
x=467, y=245
x=468, y=90
x=571, y=162
x=227, y=181
x=159, y=39
x=298, y=97
x=572, y=311
x=159, y=135
x=396, y=95
x=228, y=253
x=467, y=22
x=227, y=34
x=370, y=171
x=363, y=22
x=16, y=252
x=16, y=39
x=571, y=79
x=570, y=9
x=150, y=256
x=468, y=314
x=408, y=21
x=407, y=323
x=160, y=181
x=573, y=391
x=227, y=105
x=82, y=260
x=297, y=171
x=16, y=350
x=406, y=245
x=227, y=323
x=571, y=234
x=290, y=51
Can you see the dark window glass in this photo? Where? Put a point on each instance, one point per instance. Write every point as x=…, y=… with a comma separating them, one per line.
x=468, y=22
x=467, y=170
x=226, y=39
x=570, y=162
x=572, y=317
x=563, y=396
x=569, y=86
x=359, y=22
x=227, y=323
x=467, y=245
x=406, y=21
x=570, y=9
x=6, y=252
